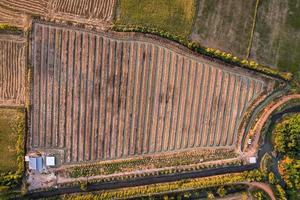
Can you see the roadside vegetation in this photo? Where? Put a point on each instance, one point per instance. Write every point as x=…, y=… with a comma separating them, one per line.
x=175, y=16
x=214, y=187
x=287, y=143
x=12, y=125
x=149, y=162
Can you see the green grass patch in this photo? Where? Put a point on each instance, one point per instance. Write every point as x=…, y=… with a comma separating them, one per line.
x=175, y=16
x=6, y=27
x=9, y=121
x=12, y=126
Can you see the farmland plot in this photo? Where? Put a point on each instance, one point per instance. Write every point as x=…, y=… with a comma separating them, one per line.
x=276, y=40
x=225, y=26
x=36, y=7
x=12, y=70
x=10, y=17
x=101, y=96
x=97, y=11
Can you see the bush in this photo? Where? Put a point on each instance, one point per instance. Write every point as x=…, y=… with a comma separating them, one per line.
x=221, y=191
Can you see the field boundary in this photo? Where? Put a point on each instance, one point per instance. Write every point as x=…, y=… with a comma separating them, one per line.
x=211, y=53
x=252, y=29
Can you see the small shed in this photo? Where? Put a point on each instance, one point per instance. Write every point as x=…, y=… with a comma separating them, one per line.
x=26, y=158
x=36, y=163
x=32, y=163
x=50, y=161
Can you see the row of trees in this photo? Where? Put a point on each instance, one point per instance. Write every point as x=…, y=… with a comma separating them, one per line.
x=182, y=185
x=214, y=53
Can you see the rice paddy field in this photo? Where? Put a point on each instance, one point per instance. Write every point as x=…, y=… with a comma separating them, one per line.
x=102, y=96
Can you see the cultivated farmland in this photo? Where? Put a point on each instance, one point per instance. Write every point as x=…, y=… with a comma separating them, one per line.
x=12, y=70
x=97, y=11
x=276, y=40
x=100, y=96
x=225, y=26
x=36, y=7
x=11, y=17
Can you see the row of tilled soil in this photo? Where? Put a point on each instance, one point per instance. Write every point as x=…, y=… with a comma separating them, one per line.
x=95, y=12
x=103, y=97
x=12, y=71
x=99, y=9
x=26, y=6
x=11, y=17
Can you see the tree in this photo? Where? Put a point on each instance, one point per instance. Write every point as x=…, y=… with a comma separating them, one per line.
x=221, y=191
x=210, y=195
x=272, y=178
x=287, y=135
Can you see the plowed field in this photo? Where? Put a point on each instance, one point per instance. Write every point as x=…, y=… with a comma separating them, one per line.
x=12, y=70
x=101, y=96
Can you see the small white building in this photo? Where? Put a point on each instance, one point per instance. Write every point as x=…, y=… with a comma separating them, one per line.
x=50, y=161
x=26, y=158
x=252, y=160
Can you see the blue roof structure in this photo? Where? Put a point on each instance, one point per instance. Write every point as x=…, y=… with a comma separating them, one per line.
x=32, y=163
x=36, y=163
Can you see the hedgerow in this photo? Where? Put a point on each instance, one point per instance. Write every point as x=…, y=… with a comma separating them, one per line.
x=213, y=53
x=189, y=184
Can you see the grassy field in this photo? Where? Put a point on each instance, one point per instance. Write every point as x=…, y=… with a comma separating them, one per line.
x=225, y=26
x=9, y=120
x=276, y=39
x=175, y=16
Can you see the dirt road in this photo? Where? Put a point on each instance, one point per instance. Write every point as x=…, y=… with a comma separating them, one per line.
x=263, y=119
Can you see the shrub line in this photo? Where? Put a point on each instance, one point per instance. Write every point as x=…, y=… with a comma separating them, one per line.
x=210, y=52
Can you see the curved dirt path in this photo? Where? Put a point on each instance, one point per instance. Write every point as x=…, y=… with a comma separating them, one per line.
x=263, y=119
x=265, y=187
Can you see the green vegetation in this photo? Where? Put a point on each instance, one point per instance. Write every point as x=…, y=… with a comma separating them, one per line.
x=175, y=16
x=182, y=185
x=287, y=136
x=287, y=142
x=8, y=27
x=266, y=163
x=148, y=162
x=260, y=195
x=12, y=125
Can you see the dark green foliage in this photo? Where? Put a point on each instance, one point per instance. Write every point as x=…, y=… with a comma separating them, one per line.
x=287, y=136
